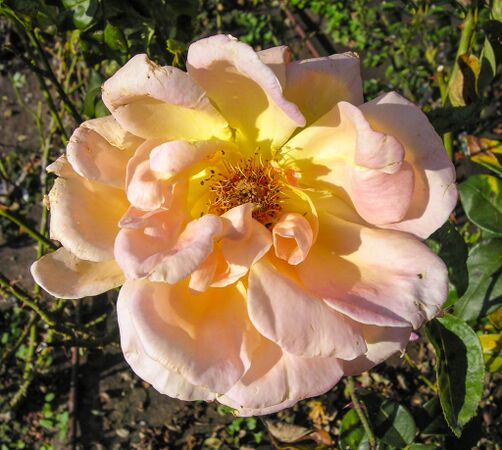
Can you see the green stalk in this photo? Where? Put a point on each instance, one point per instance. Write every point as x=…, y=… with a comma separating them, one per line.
x=360, y=413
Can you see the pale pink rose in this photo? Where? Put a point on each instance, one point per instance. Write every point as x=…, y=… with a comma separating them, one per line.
x=265, y=224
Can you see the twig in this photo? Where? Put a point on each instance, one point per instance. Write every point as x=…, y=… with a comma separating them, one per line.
x=421, y=377
x=26, y=228
x=6, y=355
x=28, y=368
x=360, y=413
x=73, y=395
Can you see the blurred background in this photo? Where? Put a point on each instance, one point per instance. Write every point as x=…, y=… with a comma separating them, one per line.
x=63, y=380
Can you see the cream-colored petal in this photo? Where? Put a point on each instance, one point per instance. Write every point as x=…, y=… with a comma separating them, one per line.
x=277, y=380
x=244, y=89
x=382, y=342
x=297, y=321
x=435, y=193
x=206, y=338
x=161, y=102
x=85, y=215
x=165, y=380
x=292, y=237
x=94, y=158
x=317, y=85
x=65, y=276
x=110, y=129
x=375, y=276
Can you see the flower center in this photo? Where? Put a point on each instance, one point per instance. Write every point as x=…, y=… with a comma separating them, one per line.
x=248, y=181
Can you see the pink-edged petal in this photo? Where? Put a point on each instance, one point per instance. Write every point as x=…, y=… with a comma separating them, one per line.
x=292, y=237
x=94, y=158
x=298, y=322
x=161, y=102
x=375, y=276
x=205, y=338
x=192, y=247
x=245, y=90
x=65, y=276
x=110, y=129
x=140, y=246
x=171, y=158
x=165, y=380
x=146, y=189
x=276, y=58
x=245, y=241
x=341, y=153
x=435, y=193
x=277, y=380
x=382, y=343
x=317, y=85
x=85, y=215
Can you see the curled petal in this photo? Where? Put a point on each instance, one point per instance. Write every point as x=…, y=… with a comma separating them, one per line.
x=165, y=380
x=65, y=276
x=161, y=102
x=285, y=313
x=204, y=338
x=85, y=215
x=245, y=90
x=382, y=342
x=108, y=128
x=277, y=59
x=435, y=194
x=146, y=189
x=171, y=158
x=377, y=277
x=278, y=379
x=341, y=153
x=317, y=85
x=292, y=237
x=193, y=246
x=94, y=158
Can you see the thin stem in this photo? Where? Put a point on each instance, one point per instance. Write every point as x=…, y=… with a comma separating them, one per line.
x=62, y=94
x=465, y=42
x=421, y=377
x=10, y=351
x=26, y=228
x=360, y=413
x=28, y=368
x=443, y=90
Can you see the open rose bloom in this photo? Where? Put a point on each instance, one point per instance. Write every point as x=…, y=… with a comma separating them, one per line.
x=265, y=223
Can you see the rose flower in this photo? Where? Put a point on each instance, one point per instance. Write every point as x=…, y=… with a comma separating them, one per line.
x=264, y=223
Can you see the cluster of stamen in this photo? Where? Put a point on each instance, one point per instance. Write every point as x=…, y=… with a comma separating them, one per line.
x=248, y=181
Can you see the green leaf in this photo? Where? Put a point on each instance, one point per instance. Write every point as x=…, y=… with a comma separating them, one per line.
x=484, y=294
x=82, y=12
x=114, y=38
x=421, y=447
x=460, y=369
x=482, y=201
x=449, y=245
x=352, y=434
x=488, y=65
x=394, y=425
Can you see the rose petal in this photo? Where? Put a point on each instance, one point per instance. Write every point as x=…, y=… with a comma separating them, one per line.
x=300, y=323
x=293, y=238
x=245, y=90
x=435, y=193
x=367, y=166
x=193, y=246
x=65, y=276
x=378, y=277
x=85, y=215
x=316, y=85
x=161, y=102
x=163, y=379
x=205, y=338
x=94, y=158
x=276, y=58
x=277, y=380
x=108, y=128
x=382, y=342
